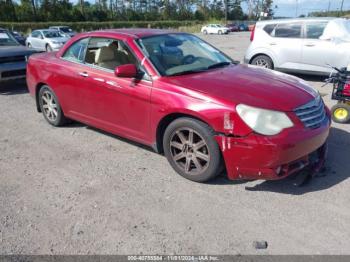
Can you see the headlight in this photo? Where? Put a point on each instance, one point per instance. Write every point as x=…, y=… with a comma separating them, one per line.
x=263, y=121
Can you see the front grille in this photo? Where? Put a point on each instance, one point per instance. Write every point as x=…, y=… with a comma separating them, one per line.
x=12, y=59
x=312, y=114
x=14, y=73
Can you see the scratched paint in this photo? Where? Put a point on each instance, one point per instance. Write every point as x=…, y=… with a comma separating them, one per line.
x=228, y=124
x=223, y=144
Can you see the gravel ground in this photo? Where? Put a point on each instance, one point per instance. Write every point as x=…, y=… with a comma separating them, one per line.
x=78, y=190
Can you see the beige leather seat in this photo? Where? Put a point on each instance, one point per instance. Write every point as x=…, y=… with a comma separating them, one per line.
x=105, y=57
x=120, y=53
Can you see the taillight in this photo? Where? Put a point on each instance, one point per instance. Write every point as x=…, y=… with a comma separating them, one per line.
x=346, y=90
x=252, y=34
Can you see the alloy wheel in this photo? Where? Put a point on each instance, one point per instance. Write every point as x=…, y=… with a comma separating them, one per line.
x=49, y=105
x=262, y=63
x=189, y=151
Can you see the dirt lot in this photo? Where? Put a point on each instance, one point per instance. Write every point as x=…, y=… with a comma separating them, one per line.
x=77, y=190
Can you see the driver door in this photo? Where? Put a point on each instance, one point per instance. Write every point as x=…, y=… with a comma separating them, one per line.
x=34, y=39
x=115, y=104
x=41, y=41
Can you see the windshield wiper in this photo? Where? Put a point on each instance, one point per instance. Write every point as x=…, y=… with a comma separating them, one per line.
x=221, y=64
x=187, y=72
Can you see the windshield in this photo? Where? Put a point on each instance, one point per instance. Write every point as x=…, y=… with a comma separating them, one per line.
x=6, y=39
x=176, y=54
x=51, y=34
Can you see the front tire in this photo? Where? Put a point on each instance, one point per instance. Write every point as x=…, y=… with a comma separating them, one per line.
x=205, y=32
x=50, y=107
x=341, y=113
x=191, y=149
x=220, y=32
x=263, y=61
x=48, y=48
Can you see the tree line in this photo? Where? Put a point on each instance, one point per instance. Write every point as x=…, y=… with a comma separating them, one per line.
x=130, y=10
x=336, y=13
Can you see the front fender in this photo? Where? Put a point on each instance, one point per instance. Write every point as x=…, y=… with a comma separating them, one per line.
x=219, y=116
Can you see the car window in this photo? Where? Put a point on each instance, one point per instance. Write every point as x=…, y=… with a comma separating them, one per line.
x=35, y=34
x=51, y=34
x=108, y=53
x=76, y=52
x=65, y=29
x=315, y=30
x=291, y=30
x=269, y=28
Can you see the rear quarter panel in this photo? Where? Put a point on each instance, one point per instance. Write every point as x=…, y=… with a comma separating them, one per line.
x=42, y=68
x=260, y=45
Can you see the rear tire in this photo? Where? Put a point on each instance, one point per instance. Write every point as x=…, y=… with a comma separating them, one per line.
x=220, y=32
x=29, y=45
x=263, y=61
x=205, y=32
x=341, y=113
x=50, y=107
x=191, y=149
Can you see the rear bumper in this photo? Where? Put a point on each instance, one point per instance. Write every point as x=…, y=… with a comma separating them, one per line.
x=272, y=158
x=11, y=71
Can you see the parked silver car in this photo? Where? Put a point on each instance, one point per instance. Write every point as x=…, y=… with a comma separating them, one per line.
x=305, y=45
x=13, y=57
x=46, y=40
x=64, y=30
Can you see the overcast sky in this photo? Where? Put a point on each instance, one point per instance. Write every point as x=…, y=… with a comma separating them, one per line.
x=288, y=7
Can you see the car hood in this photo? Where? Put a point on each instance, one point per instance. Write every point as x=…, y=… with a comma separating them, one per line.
x=250, y=85
x=6, y=51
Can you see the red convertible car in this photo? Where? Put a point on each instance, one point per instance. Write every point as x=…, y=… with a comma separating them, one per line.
x=186, y=99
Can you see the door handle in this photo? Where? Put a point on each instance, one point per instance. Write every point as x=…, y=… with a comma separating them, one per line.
x=83, y=74
x=310, y=45
x=273, y=43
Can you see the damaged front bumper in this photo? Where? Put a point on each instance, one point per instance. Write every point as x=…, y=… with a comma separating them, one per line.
x=272, y=158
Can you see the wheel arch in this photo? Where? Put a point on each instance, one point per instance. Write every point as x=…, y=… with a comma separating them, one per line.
x=164, y=123
x=37, y=90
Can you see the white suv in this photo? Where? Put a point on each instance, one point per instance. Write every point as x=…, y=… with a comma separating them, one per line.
x=306, y=45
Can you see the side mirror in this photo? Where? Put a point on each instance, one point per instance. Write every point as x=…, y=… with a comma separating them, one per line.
x=127, y=71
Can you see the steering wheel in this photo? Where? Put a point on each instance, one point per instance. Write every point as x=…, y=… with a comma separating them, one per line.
x=189, y=59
